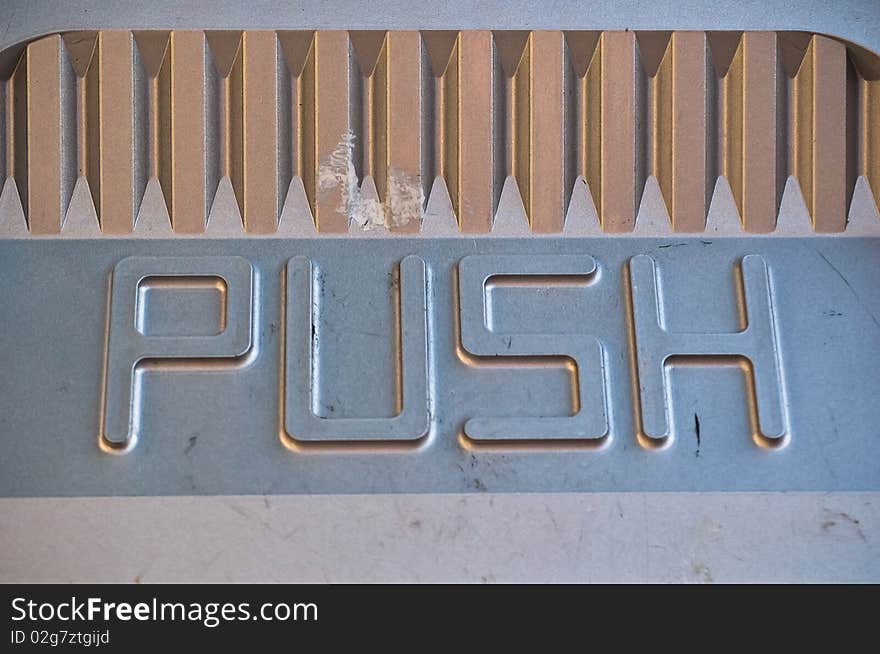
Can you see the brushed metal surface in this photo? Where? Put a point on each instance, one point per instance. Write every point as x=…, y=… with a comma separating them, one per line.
x=372, y=339
x=333, y=390
x=487, y=538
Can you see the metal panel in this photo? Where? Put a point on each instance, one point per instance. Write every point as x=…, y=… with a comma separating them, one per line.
x=683, y=536
x=360, y=123
x=516, y=367
x=615, y=281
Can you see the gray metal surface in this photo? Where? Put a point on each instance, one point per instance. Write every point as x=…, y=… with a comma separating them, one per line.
x=831, y=535
x=784, y=404
x=856, y=20
x=483, y=538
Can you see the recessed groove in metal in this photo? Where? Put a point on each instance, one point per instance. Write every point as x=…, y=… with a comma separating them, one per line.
x=361, y=123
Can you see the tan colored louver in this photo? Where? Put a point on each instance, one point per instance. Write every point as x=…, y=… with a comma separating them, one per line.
x=362, y=123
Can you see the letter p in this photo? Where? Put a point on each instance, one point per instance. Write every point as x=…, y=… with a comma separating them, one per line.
x=165, y=310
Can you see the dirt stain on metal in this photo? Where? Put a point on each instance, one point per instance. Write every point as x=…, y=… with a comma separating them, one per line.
x=833, y=519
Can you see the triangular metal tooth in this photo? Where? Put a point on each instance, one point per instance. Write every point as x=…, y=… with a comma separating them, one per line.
x=224, y=219
x=296, y=214
x=652, y=50
x=81, y=219
x=439, y=218
x=367, y=46
x=152, y=45
x=723, y=218
x=581, y=219
x=296, y=46
x=439, y=45
x=224, y=46
x=652, y=218
x=11, y=58
x=510, y=216
x=80, y=47
x=366, y=213
x=864, y=217
x=510, y=46
x=866, y=63
x=12, y=220
x=582, y=48
x=723, y=47
x=152, y=218
x=793, y=218
x=793, y=48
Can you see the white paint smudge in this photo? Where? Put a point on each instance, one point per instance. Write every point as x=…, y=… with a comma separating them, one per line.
x=366, y=210
x=337, y=175
x=406, y=198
